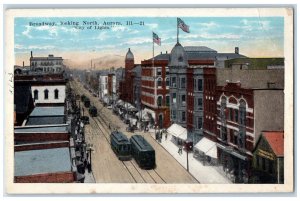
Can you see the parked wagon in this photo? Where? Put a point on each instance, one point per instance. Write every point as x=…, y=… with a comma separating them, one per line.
x=120, y=145
x=142, y=152
x=87, y=102
x=93, y=111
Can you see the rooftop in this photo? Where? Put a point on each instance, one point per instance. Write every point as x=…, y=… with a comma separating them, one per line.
x=42, y=161
x=199, y=49
x=41, y=129
x=48, y=111
x=45, y=120
x=276, y=141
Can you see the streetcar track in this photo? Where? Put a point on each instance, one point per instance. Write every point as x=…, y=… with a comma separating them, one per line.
x=101, y=122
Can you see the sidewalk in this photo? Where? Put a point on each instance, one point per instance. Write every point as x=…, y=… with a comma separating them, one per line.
x=89, y=177
x=204, y=174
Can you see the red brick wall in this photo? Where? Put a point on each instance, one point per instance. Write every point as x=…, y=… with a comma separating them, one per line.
x=40, y=137
x=41, y=146
x=190, y=98
x=60, y=177
x=209, y=105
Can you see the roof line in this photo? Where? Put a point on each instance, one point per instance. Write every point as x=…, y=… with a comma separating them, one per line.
x=42, y=126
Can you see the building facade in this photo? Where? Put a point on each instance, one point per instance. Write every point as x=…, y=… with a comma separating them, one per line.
x=243, y=111
x=48, y=64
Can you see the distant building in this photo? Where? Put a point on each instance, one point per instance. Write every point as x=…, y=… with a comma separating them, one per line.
x=248, y=102
x=47, y=65
x=268, y=158
x=126, y=84
x=103, y=86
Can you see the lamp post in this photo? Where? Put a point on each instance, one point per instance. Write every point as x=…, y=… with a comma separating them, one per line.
x=89, y=148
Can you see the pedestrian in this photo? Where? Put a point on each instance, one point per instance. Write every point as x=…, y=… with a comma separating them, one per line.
x=166, y=136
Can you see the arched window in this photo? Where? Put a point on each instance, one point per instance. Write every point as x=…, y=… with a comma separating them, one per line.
x=159, y=82
x=159, y=101
x=36, y=94
x=167, y=82
x=223, y=129
x=56, y=93
x=167, y=100
x=46, y=94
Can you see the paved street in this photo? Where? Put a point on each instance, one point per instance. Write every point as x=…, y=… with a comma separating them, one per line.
x=105, y=165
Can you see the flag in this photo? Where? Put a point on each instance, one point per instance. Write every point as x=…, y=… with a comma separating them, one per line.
x=182, y=25
x=156, y=39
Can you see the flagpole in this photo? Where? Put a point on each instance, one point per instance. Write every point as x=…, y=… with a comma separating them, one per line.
x=177, y=31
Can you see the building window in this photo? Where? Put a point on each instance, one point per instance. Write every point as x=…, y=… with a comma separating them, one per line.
x=236, y=116
x=183, y=101
x=195, y=83
x=167, y=100
x=242, y=110
x=36, y=94
x=174, y=82
x=200, y=85
x=167, y=82
x=158, y=72
x=173, y=97
x=46, y=93
x=167, y=71
x=173, y=114
x=106, y=80
x=182, y=82
x=56, y=93
x=159, y=101
x=231, y=113
x=199, y=104
x=222, y=109
x=159, y=82
x=183, y=116
x=223, y=133
x=199, y=122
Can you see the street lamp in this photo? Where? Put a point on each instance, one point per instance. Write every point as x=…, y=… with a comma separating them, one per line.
x=89, y=148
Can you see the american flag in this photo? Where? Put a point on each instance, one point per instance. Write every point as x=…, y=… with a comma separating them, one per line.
x=182, y=25
x=156, y=39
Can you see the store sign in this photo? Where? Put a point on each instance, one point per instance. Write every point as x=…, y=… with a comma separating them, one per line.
x=266, y=154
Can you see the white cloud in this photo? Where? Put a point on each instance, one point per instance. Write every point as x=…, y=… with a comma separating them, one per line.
x=19, y=47
x=207, y=24
x=41, y=47
x=137, y=41
x=27, y=31
x=152, y=25
x=119, y=28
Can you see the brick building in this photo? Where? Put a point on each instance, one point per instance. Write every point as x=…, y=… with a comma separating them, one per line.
x=243, y=98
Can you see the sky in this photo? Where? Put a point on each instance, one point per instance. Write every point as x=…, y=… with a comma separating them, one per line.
x=105, y=41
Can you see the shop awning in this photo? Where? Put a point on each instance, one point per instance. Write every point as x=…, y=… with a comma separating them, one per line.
x=177, y=131
x=143, y=115
x=208, y=147
x=231, y=151
x=151, y=112
x=119, y=102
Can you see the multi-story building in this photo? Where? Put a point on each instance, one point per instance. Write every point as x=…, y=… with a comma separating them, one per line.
x=112, y=87
x=126, y=84
x=46, y=89
x=155, y=83
x=156, y=86
x=103, y=86
x=248, y=101
x=48, y=64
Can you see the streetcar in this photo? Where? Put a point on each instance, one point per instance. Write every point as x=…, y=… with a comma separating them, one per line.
x=93, y=111
x=120, y=145
x=142, y=152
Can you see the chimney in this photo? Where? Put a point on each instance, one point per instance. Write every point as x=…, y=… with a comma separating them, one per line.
x=236, y=50
x=23, y=63
x=31, y=53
